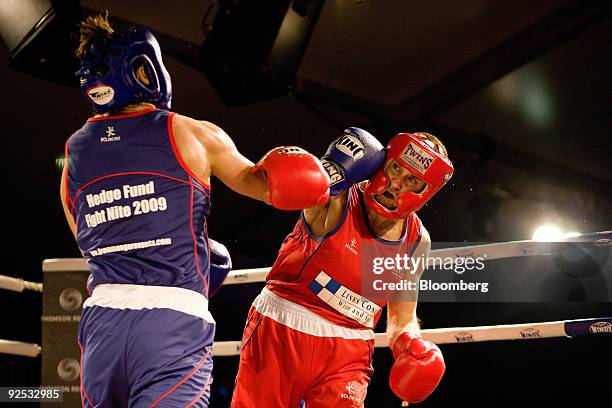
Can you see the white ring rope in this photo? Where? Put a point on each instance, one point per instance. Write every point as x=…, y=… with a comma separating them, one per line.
x=18, y=348
x=488, y=252
x=523, y=331
x=18, y=284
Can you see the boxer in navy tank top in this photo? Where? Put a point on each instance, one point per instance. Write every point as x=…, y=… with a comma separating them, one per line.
x=136, y=194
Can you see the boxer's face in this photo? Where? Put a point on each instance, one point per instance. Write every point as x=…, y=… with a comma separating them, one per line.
x=400, y=181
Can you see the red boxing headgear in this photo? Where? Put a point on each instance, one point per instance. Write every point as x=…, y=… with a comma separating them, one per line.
x=422, y=158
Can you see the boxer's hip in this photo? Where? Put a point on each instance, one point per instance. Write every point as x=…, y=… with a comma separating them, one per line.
x=140, y=297
x=138, y=342
x=301, y=319
x=300, y=355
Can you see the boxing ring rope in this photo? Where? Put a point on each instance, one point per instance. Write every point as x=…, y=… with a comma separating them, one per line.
x=18, y=348
x=488, y=252
x=18, y=285
x=474, y=334
x=523, y=331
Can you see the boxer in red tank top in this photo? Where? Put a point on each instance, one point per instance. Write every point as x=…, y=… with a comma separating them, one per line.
x=309, y=335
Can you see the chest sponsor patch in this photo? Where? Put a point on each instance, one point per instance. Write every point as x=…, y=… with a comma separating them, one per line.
x=344, y=300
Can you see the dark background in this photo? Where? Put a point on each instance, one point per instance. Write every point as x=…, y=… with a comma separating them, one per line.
x=520, y=93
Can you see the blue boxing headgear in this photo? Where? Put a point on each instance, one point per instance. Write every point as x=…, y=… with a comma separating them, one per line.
x=108, y=72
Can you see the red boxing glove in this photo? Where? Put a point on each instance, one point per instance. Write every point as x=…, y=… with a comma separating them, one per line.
x=296, y=178
x=418, y=368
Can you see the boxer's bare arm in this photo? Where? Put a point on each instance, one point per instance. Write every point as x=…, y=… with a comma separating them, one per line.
x=401, y=314
x=324, y=218
x=207, y=150
x=63, y=197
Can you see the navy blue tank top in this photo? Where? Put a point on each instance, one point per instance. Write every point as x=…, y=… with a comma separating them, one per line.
x=140, y=213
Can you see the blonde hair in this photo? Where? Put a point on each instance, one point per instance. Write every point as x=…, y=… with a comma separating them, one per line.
x=433, y=139
x=92, y=29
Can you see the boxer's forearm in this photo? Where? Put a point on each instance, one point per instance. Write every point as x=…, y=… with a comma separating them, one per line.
x=237, y=172
x=401, y=317
x=253, y=184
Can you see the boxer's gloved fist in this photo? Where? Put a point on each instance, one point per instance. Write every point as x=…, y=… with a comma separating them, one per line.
x=352, y=158
x=296, y=179
x=220, y=265
x=418, y=367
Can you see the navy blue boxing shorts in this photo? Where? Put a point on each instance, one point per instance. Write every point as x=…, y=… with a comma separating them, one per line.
x=145, y=346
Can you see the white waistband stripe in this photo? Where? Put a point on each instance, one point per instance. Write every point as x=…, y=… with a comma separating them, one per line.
x=301, y=319
x=137, y=297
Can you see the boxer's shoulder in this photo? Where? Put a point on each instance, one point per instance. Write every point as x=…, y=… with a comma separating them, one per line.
x=425, y=237
x=188, y=124
x=208, y=134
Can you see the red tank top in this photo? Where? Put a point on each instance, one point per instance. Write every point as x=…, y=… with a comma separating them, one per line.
x=332, y=275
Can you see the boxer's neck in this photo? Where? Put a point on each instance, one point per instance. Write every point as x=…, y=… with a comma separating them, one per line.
x=127, y=109
x=136, y=107
x=386, y=228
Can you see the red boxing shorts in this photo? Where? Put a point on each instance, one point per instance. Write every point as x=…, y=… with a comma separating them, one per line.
x=290, y=354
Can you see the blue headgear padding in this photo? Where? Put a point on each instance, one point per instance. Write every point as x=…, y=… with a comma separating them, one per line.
x=108, y=72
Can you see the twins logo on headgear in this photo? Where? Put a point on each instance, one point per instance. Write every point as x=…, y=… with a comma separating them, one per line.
x=420, y=157
x=108, y=72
